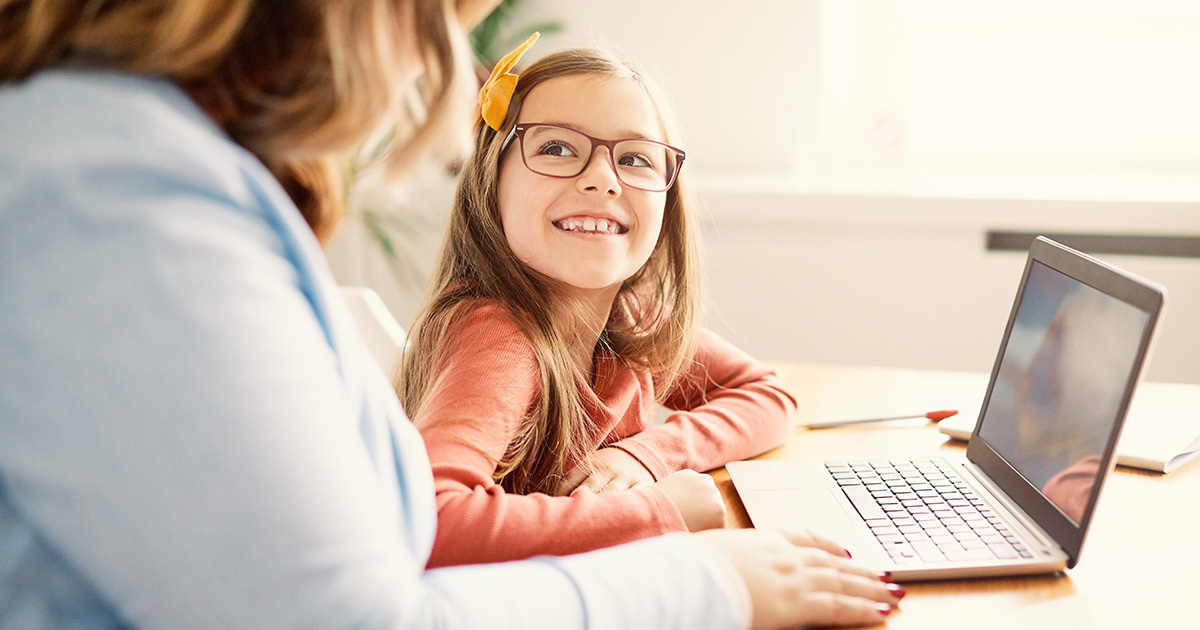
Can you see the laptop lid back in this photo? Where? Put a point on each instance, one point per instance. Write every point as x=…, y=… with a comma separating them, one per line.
x=1073, y=351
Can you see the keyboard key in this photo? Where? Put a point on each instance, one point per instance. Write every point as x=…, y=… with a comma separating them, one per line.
x=969, y=555
x=1003, y=551
x=864, y=502
x=928, y=552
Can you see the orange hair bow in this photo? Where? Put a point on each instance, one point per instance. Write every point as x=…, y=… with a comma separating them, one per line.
x=497, y=91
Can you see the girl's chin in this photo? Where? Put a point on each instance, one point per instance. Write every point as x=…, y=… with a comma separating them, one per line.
x=592, y=289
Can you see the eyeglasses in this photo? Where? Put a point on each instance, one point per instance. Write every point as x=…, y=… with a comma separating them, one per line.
x=557, y=151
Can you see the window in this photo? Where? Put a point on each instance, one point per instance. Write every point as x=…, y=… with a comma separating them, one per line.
x=1038, y=97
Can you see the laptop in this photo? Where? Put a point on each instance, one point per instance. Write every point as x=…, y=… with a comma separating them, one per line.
x=1022, y=499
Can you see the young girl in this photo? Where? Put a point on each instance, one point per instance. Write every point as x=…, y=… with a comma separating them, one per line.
x=563, y=308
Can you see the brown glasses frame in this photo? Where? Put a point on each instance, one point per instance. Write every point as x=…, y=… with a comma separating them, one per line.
x=518, y=132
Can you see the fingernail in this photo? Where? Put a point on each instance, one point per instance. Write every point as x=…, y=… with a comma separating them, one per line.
x=884, y=609
x=848, y=555
x=886, y=576
x=897, y=590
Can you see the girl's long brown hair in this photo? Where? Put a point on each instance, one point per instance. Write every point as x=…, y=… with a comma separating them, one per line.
x=300, y=83
x=651, y=327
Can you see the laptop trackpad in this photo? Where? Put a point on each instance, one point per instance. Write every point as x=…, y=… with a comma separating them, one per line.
x=815, y=509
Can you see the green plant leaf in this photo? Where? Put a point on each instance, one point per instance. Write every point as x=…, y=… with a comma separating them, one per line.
x=380, y=234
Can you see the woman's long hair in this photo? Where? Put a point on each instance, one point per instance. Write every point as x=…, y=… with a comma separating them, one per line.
x=300, y=83
x=651, y=326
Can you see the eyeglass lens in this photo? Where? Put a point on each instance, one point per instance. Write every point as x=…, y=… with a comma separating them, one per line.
x=560, y=152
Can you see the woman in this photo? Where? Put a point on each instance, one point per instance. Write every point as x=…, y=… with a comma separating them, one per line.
x=194, y=436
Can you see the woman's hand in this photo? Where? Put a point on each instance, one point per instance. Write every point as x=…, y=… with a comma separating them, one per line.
x=801, y=579
x=611, y=469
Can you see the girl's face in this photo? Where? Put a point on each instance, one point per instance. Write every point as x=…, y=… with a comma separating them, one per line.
x=558, y=226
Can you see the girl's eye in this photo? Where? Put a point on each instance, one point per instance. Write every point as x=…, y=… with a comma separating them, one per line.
x=556, y=148
x=636, y=160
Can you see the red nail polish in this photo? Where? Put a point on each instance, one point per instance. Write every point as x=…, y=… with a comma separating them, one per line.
x=897, y=590
x=886, y=576
x=883, y=609
x=848, y=555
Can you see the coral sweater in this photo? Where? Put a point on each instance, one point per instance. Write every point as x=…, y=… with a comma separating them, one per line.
x=726, y=407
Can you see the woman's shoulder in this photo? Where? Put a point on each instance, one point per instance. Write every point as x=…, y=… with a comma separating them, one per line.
x=101, y=121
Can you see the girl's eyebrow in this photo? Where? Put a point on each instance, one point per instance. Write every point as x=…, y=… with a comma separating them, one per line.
x=625, y=134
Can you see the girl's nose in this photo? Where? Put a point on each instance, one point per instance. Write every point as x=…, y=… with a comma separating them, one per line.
x=599, y=175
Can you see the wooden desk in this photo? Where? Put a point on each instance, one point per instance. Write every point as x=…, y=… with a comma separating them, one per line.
x=1140, y=566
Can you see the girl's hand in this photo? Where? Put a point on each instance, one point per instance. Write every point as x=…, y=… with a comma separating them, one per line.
x=612, y=469
x=694, y=494
x=697, y=498
x=800, y=579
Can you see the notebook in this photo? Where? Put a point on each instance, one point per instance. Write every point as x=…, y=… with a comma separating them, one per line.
x=1023, y=497
x=1161, y=434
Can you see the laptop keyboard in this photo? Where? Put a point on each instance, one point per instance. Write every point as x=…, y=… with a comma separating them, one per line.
x=922, y=509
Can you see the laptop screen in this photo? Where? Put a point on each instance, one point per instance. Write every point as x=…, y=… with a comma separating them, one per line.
x=1060, y=383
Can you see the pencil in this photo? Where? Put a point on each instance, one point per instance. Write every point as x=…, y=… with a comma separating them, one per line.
x=934, y=416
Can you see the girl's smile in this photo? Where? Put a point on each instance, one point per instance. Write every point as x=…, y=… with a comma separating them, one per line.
x=591, y=225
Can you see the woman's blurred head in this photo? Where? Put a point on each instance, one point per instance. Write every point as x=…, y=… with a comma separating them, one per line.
x=300, y=83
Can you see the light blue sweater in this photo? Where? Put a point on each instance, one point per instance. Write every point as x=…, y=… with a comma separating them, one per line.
x=192, y=433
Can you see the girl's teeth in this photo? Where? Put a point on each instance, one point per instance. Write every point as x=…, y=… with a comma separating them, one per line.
x=602, y=226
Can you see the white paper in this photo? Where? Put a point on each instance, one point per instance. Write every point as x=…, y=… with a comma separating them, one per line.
x=1162, y=431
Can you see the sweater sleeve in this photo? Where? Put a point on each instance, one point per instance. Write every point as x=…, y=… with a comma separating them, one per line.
x=728, y=406
x=487, y=382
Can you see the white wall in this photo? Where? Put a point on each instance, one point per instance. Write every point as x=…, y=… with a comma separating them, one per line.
x=806, y=264
x=907, y=282
x=739, y=113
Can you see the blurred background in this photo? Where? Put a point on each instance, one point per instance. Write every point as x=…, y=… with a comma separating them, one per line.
x=870, y=172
